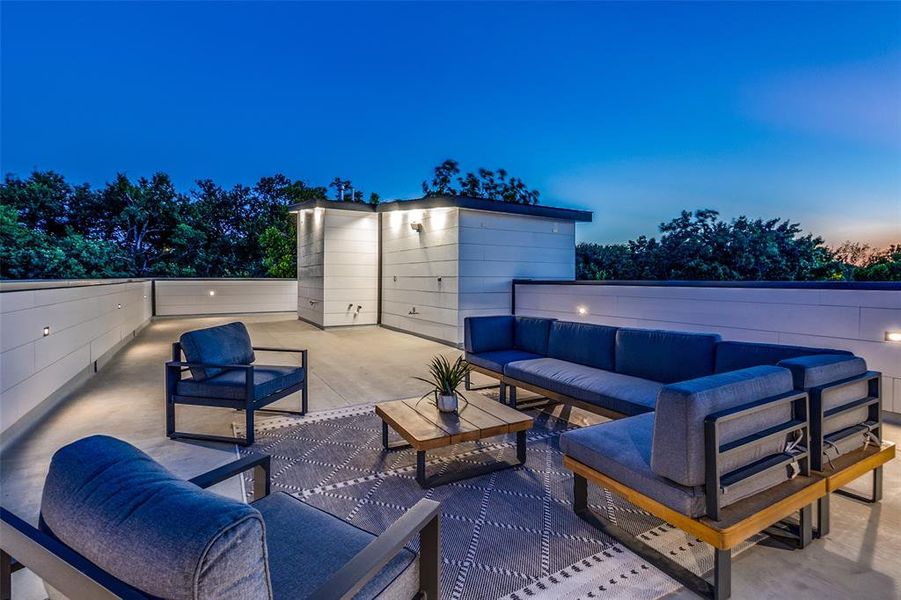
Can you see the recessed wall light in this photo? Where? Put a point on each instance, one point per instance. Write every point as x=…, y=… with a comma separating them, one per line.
x=582, y=310
x=118, y=306
x=46, y=330
x=893, y=336
x=212, y=292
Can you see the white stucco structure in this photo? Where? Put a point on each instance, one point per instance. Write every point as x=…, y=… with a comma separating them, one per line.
x=441, y=260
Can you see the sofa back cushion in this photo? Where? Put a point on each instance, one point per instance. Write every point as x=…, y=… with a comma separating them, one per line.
x=531, y=334
x=124, y=512
x=222, y=345
x=583, y=343
x=677, y=450
x=822, y=369
x=664, y=356
x=488, y=334
x=731, y=356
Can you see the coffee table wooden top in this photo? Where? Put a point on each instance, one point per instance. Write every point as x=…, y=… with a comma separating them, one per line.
x=424, y=427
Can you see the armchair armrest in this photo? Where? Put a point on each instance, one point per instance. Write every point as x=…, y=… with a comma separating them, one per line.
x=423, y=519
x=187, y=365
x=261, y=474
x=303, y=353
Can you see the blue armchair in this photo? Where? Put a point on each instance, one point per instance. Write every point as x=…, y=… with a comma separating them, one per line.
x=116, y=524
x=223, y=374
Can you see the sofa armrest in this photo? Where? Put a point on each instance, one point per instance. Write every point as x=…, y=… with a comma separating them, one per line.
x=261, y=465
x=422, y=519
x=714, y=451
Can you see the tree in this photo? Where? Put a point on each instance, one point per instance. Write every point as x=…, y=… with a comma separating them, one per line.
x=882, y=265
x=484, y=183
x=698, y=245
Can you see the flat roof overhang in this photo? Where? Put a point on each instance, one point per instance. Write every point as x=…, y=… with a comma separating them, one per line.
x=532, y=210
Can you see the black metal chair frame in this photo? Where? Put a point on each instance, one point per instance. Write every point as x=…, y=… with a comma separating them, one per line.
x=873, y=402
x=714, y=451
x=24, y=546
x=248, y=403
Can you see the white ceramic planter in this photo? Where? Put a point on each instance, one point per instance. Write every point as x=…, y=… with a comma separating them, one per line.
x=447, y=403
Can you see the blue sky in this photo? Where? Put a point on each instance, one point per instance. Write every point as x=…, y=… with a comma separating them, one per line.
x=634, y=111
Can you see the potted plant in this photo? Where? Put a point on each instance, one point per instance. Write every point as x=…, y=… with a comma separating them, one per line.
x=445, y=377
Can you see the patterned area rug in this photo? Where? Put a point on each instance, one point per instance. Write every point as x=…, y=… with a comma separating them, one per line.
x=509, y=534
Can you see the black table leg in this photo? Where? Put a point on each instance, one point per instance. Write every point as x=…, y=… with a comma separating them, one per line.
x=420, y=468
x=521, y=447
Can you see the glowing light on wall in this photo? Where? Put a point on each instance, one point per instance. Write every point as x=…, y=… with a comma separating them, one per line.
x=582, y=310
x=893, y=336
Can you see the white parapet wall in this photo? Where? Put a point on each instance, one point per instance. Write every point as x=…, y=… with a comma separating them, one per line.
x=180, y=297
x=850, y=319
x=54, y=337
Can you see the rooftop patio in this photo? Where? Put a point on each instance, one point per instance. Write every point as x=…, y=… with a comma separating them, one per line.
x=365, y=365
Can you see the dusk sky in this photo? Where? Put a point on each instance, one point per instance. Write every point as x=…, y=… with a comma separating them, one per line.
x=633, y=111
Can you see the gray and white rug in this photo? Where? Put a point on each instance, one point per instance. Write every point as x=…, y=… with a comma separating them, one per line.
x=509, y=534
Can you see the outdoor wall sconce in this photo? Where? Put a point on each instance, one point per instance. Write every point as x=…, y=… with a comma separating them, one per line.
x=212, y=292
x=893, y=336
x=417, y=227
x=46, y=330
x=118, y=307
x=582, y=310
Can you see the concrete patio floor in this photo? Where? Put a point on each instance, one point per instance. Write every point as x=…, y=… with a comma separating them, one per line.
x=364, y=365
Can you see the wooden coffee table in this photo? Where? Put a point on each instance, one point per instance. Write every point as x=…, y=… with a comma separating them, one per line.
x=425, y=428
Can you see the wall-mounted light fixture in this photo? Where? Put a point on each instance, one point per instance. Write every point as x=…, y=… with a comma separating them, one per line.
x=893, y=336
x=46, y=330
x=417, y=227
x=582, y=310
x=212, y=292
x=118, y=307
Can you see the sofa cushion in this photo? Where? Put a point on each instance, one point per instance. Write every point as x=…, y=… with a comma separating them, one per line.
x=814, y=371
x=495, y=360
x=267, y=380
x=124, y=512
x=622, y=450
x=731, y=356
x=620, y=393
x=307, y=546
x=678, y=449
x=488, y=334
x=583, y=343
x=664, y=356
x=221, y=345
x=531, y=334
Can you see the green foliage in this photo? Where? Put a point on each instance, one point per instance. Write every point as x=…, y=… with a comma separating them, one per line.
x=145, y=228
x=882, y=265
x=700, y=246
x=484, y=183
x=444, y=376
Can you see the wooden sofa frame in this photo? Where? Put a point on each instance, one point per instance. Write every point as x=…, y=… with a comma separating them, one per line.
x=24, y=546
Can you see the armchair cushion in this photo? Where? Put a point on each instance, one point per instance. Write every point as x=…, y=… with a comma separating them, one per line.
x=731, y=356
x=497, y=359
x=678, y=448
x=127, y=514
x=583, y=343
x=223, y=345
x=664, y=356
x=267, y=380
x=488, y=334
x=620, y=393
x=307, y=546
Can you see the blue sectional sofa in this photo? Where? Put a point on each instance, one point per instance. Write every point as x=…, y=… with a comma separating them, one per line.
x=710, y=434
